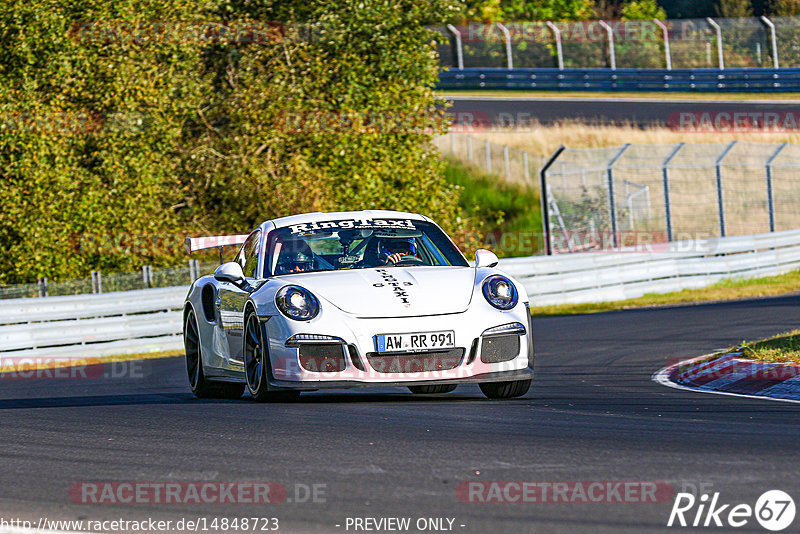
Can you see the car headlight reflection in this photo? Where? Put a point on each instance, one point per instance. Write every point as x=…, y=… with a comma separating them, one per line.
x=500, y=292
x=297, y=303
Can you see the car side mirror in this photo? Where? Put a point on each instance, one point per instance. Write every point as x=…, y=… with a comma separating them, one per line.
x=230, y=272
x=485, y=258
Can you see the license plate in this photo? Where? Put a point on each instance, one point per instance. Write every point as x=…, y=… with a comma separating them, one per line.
x=418, y=341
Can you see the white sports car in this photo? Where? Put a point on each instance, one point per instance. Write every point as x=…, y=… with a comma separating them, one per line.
x=365, y=298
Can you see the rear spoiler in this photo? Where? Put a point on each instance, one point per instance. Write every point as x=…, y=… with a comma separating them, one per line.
x=193, y=244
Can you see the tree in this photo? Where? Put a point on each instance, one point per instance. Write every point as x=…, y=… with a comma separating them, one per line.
x=734, y=9
x=642, y=10
x=529, y=10
x=785, y=8
x=128, y=124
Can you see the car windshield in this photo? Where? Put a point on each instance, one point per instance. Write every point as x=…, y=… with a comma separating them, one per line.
x=359, y=244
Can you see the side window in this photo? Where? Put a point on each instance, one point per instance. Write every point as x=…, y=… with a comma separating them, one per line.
x=248, y=257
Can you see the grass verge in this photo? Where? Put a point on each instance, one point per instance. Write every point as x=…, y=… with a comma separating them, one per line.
x=783, y=348
x=542, y=140
x=731, y=289
x=500, y=207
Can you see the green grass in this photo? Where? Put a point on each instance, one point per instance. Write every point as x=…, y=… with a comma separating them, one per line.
x=509, y=213
x=783, y=348
x=750, y=97
x=731, y=289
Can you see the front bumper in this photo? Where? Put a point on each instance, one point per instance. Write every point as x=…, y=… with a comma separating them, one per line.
x=356, y=339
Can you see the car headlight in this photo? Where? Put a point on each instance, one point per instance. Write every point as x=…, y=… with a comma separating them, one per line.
x=297, y=303
x=500, y=292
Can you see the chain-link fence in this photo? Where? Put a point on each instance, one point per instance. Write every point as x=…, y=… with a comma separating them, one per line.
x=616, y=196
x=508, y=163
x=99, y=282
x=685, y=43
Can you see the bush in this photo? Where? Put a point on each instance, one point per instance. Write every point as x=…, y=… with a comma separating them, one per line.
x=120, y=138
x=507, y=217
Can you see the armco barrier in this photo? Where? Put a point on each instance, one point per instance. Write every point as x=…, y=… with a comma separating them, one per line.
x=79, y=326
x=605, y=276
x=150, y=319
x=685, y=80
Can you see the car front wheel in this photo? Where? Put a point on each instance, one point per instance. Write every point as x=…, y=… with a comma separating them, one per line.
x=256, y=364
x=505, y=390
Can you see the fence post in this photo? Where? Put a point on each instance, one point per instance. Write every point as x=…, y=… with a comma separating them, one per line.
x=720, y=191
x=548, y=245
x=459, y=48
x=507, y=38
x=770, y=193
x=525, y=168
x=97, y=282
x=452, y=143
x=559, y=50
x=718, y=30
x=488, y=158
x=773, y=40
x=612, y=204
x=665, y=34
x=506, y=162
x=665, y=176
x=469, y=148
x=42, y=282
x=611, y=53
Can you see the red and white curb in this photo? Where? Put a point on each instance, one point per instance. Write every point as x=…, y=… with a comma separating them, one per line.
x=730, y=374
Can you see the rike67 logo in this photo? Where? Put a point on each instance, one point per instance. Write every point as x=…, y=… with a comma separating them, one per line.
x=774, y=510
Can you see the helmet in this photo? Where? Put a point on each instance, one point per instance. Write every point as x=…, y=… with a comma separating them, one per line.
x=396, y=245
x=295, y=256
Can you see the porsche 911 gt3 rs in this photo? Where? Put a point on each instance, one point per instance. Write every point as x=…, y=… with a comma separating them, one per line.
x=349, y=299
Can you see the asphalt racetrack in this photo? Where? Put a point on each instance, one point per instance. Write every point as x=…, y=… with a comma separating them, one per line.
x=593, y=414
x=643, y=112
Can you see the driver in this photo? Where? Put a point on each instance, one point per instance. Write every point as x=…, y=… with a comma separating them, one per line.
x=295, y=257
x=393, y=249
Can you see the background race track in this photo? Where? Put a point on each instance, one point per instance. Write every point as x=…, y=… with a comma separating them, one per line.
x=593, y=414
x=642, y=112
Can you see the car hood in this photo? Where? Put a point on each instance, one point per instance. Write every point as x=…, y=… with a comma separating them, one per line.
x=392, y=291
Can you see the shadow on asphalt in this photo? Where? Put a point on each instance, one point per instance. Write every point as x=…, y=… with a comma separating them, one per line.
x=188, y=399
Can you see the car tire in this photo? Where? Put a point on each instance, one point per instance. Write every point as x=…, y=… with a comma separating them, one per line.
x=257, y=364
x=432, y=390
x=505, y=390
x=201, y=387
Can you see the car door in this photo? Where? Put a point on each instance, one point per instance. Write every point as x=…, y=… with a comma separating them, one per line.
x=233, y=297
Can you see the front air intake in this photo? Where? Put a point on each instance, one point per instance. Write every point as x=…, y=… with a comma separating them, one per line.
x=502, y=348
x=322, y=357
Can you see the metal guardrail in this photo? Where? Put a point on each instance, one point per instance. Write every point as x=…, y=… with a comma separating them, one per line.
x=606, y=79
x=629, y=273
x=83, y=326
